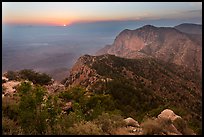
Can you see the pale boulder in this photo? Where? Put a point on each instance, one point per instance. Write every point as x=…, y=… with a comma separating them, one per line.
x=168, y=114
x=131, y=122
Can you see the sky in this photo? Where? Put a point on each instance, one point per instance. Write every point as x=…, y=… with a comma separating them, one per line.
x=66, y=13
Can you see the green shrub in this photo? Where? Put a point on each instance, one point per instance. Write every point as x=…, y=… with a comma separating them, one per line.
x=35, y=77
x=75, y=93
x=24, y=88
x=32, y=118
x=97, y=104
x=66, y=95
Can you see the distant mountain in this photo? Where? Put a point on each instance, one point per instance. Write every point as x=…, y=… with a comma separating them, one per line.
x=189, y=28
x=140, y=83
x=194, y=31
x=165, y=43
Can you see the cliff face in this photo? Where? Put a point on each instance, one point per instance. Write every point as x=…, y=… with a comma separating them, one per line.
x=168, y=44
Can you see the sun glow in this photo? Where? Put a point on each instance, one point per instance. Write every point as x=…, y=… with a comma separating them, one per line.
x=64, y=25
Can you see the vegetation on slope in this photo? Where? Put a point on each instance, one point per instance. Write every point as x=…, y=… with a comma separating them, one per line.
x=147, y=85
x=141, y=94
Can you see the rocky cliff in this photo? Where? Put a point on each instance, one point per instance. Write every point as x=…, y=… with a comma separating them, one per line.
x=165, y=43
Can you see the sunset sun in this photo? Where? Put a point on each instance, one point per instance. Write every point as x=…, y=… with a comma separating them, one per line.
x=64, y=25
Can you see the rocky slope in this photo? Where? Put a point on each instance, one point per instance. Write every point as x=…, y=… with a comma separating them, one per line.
x=165, y=43
x=148, y=81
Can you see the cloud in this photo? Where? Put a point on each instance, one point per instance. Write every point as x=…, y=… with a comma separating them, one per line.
x=195, y=11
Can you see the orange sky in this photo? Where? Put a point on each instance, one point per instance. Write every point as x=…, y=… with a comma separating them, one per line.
x=60, y=13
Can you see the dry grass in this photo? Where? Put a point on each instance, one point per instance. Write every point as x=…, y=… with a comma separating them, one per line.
x=10, y=127
x=182, y=127
x=151, y=127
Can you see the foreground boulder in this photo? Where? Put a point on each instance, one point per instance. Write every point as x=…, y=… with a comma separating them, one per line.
x=176, y=125
x=168, y=114
x=131, y=122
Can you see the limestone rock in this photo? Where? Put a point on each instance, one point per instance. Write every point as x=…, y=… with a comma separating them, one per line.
x=131, y=122
x=9, y=86
x=169, y=114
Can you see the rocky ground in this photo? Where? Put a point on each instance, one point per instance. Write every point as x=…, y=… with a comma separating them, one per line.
x=164, y=124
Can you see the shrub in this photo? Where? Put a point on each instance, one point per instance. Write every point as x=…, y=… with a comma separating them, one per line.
x=182, y=127
x=32, y=117
x=70, y=119
x=109, y=122
x=77, y=93
x=97, y=104
x=85, y=128
x=9, y=108
x=11, y=75
x=66, y=95
x=53, y=110
x=35, y=77
x=43, y=79
x=151, y=127
x=195, y=125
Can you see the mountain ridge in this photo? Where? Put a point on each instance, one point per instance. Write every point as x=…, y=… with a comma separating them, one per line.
x=154, y=80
